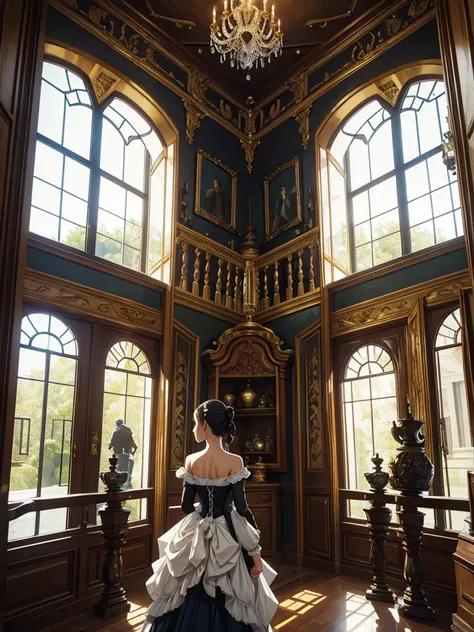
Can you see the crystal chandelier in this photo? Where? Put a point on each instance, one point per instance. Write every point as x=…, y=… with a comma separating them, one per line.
x=247, y=34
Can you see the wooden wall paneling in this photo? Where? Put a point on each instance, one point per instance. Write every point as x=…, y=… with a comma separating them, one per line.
x=22, y=27
x=455, y=27
x=466, y=301
x=315, y=519
x=418, y=378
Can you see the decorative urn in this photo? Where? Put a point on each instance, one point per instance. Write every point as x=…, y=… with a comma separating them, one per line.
x=411, y=471
x=257, y=444
x=229, y=399
x=114, y=480
x=248, y=396
x=378, y=479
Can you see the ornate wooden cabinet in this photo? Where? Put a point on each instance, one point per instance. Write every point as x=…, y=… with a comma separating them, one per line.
x=249, y=370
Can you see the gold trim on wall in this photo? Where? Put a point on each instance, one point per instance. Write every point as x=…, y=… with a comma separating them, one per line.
x=269, y=235
x=79, y=299
x=297, y=304
x=206, y=306
x=396, y=306
x=202, y=155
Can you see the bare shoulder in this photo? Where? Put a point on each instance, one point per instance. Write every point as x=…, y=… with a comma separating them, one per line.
x=236, y=463
x=190, y=459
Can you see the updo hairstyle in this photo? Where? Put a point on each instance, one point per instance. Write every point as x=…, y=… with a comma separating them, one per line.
x=219, y=418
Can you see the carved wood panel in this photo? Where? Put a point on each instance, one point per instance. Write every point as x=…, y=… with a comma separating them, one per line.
x=318, y=525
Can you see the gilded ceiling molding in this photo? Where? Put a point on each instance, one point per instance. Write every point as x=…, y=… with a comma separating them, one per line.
x=323, y=22
x=73, y=297
x=111, y=24
x=397, y=306
x=304, y=125
x=249, y=145
x=193, y=120
x=189, y=24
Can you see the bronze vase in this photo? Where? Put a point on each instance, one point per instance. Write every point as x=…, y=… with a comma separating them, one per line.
x=248, y=396
x=411, y=471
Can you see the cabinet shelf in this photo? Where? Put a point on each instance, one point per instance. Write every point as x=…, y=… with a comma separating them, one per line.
x=253, y=412
x=255, y=453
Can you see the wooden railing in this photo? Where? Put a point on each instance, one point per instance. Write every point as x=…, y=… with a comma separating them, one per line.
x=114, y=527
x=245, y=283
x=410, y=531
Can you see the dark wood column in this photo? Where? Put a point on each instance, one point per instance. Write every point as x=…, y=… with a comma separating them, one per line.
x=22, y=25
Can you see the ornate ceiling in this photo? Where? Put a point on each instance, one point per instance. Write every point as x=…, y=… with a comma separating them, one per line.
x=309, y=26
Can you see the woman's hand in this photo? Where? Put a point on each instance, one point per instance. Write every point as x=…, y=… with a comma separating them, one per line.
x=257, y=566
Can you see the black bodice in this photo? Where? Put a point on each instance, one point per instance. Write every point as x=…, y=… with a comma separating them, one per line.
x=219, y=495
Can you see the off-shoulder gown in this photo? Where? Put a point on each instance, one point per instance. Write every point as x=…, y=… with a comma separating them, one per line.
x=202, y=581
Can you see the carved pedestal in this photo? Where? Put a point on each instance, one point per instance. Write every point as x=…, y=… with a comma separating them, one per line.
x=113, y=599
x=414, y=604
x=378, y=517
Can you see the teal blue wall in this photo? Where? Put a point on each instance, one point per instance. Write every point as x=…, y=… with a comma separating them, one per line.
x=71, y=271
x=401, y=279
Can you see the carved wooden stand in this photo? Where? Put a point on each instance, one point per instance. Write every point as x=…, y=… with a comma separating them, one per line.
x=378, y=517
x=113, y=599
x=414, y=604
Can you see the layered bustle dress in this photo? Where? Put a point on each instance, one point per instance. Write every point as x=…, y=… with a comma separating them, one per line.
x=202, y=581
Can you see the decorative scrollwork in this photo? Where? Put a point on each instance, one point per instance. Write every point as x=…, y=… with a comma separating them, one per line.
x=180, y=405
x=315, y=437
x=193, y=120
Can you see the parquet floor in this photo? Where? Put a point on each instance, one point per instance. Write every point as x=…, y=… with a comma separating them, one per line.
x=309, y=602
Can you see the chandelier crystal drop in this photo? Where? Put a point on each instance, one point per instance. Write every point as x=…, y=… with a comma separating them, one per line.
x=247, y=34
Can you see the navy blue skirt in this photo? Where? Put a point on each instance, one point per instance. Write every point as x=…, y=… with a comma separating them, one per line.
x=200, y=613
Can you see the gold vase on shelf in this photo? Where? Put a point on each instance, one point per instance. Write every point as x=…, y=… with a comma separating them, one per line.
x=257, y=444
x=259, y=471
x=248, y=396
x=229, y=399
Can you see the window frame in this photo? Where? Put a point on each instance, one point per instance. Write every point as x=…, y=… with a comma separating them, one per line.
x=404, y=77
x=146, y=107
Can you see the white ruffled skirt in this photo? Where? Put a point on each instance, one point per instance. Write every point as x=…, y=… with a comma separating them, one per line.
x=204, y=549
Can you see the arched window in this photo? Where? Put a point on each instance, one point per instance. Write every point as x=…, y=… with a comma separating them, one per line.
x=103, y=179
x=127, y=399
x=457, y=450
x=385, y=189
x=369, y=402
x=44, y=418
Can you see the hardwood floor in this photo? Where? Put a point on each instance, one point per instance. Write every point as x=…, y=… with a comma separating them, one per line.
x=309, y=602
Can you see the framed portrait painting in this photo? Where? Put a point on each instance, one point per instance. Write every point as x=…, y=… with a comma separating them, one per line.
x=282, y=199
x=216, y=191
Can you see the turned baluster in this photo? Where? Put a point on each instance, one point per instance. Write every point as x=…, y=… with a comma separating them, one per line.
x=257, y=291
x=311, y=268
x=237, y=291
x=218, y=294
x=276, y=285
x=183, y=282
x=206, y=293
x=114, y=518
x=266, y=298
x=289, y=277
x=228, y=287
x=300, y=274
x=378, y=517
x=197, y=272
x=414, y=604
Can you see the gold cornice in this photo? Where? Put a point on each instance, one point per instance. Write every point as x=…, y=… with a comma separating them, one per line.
x=248, y=136
x=73, y=297
x=297, y=304
x=396, y=307
x=189, y=236
x=126, y=48
x=339, y=76
x=96, y=263
x=398, y=264
x=205, y=306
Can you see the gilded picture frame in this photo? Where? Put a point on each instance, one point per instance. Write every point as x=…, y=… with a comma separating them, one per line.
x=282, y=190
x=216, y=191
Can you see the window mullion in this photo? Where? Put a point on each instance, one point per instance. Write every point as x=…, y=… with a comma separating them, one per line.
x=94, y=186
x=146, y=215
x=349, y=212
x=401, y=184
